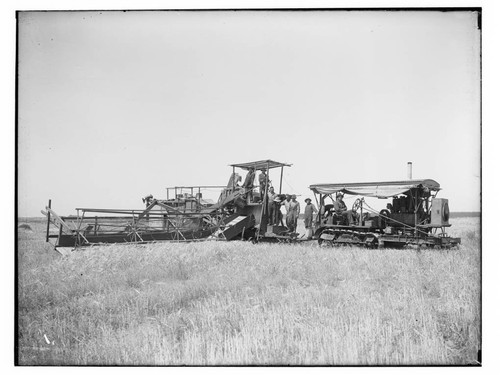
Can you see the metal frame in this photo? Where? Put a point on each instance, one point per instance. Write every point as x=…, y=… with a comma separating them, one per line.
x=133, y=226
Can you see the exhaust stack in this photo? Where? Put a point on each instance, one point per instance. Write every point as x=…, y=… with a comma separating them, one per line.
x=409, y=170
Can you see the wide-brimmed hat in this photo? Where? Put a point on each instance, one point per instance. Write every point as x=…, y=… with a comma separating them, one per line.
x=308, y=199
x=294, y=196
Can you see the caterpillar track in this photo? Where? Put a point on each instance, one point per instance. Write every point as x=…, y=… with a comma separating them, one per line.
x=338, y=237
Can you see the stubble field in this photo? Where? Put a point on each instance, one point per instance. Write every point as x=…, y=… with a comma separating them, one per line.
x=234, y=303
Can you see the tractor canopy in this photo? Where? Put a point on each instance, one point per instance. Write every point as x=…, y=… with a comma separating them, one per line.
x=376, y=189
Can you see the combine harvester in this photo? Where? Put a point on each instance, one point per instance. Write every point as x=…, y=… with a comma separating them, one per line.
x=239, y=213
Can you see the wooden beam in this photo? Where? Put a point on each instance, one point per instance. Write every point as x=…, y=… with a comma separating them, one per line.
x=58, y=219
x=168, y=208
x=148, y=208
x=48, y=222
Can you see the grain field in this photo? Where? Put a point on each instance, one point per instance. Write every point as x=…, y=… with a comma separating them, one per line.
x=234, y=303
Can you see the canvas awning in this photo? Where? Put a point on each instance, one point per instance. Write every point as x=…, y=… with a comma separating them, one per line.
x=261, y=164
x=375, y=189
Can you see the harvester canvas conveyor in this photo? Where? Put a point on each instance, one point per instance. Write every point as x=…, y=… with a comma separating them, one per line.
x=223, y=202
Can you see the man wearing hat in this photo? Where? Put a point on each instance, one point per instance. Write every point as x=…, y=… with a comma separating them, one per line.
x=309, y=212
x=271, y=195
x=263, y=181
x=292, y=214
x=278, y=200
x=341, y=209
x=286, y=203
x=339, y=204
x=248, y=184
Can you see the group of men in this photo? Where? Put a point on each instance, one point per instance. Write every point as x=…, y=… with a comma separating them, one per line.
x=276, y=201
x=292, y=209
x=248, y=184
x=292, y=206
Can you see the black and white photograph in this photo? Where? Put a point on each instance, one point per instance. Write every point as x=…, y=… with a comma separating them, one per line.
x=248, y=187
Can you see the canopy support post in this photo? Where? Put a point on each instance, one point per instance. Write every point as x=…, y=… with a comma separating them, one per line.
x=264, y=203
x=281, y=178
x=234, y=178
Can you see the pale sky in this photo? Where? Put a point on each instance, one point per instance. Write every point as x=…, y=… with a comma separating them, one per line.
x=113, y=106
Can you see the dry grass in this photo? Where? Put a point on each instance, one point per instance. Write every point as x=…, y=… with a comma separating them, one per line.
x=238, y=303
